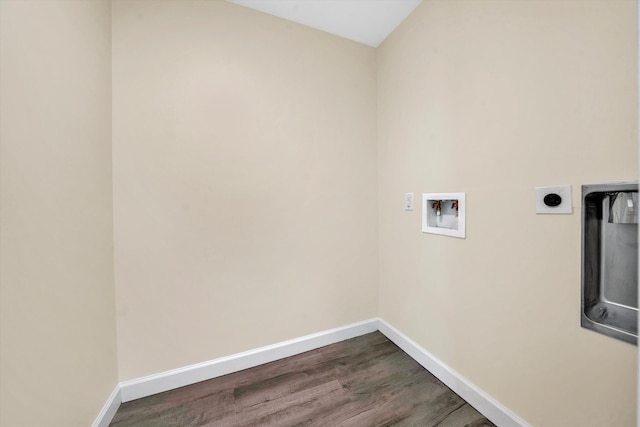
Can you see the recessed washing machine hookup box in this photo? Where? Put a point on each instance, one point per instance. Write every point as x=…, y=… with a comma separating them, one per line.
x=444, y=213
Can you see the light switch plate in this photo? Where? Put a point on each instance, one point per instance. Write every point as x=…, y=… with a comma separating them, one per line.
x=408, y=201
x=565, y=205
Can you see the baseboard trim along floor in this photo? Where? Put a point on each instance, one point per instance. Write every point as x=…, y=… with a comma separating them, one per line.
x=181, y=377
x=109, y=409
x=485, y=404
x=169, y=380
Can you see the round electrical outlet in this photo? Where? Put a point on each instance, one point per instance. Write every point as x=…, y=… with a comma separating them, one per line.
x=552, y=200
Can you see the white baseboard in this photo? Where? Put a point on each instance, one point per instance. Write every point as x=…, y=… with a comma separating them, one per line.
x=477, y=398
x=109, y=409
x=169, y=380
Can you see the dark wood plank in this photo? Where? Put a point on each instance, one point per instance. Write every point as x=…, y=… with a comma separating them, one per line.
x=365, y=381
x=465, y=416
x=293, y=409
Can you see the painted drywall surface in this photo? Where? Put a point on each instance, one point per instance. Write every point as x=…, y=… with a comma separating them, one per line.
x=244, y=181
x=58, y=360
x=494, y=98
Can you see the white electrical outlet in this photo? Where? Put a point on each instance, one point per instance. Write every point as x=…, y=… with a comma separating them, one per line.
x=408, y=201
x=554, y=200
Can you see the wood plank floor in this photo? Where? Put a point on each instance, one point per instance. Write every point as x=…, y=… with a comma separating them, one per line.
x=361, y=382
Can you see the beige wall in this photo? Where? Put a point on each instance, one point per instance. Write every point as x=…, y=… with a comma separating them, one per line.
x=57, y=317
x=494, y=98
x=249, y=193
x=244, y=181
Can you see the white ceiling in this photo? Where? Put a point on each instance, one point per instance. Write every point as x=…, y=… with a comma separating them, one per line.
x=364, y=21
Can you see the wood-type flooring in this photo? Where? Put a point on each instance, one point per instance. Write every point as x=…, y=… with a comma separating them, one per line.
x=362, y=382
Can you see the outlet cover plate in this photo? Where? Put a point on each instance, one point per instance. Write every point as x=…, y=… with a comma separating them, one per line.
x=408, y=201
x=565, y=206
